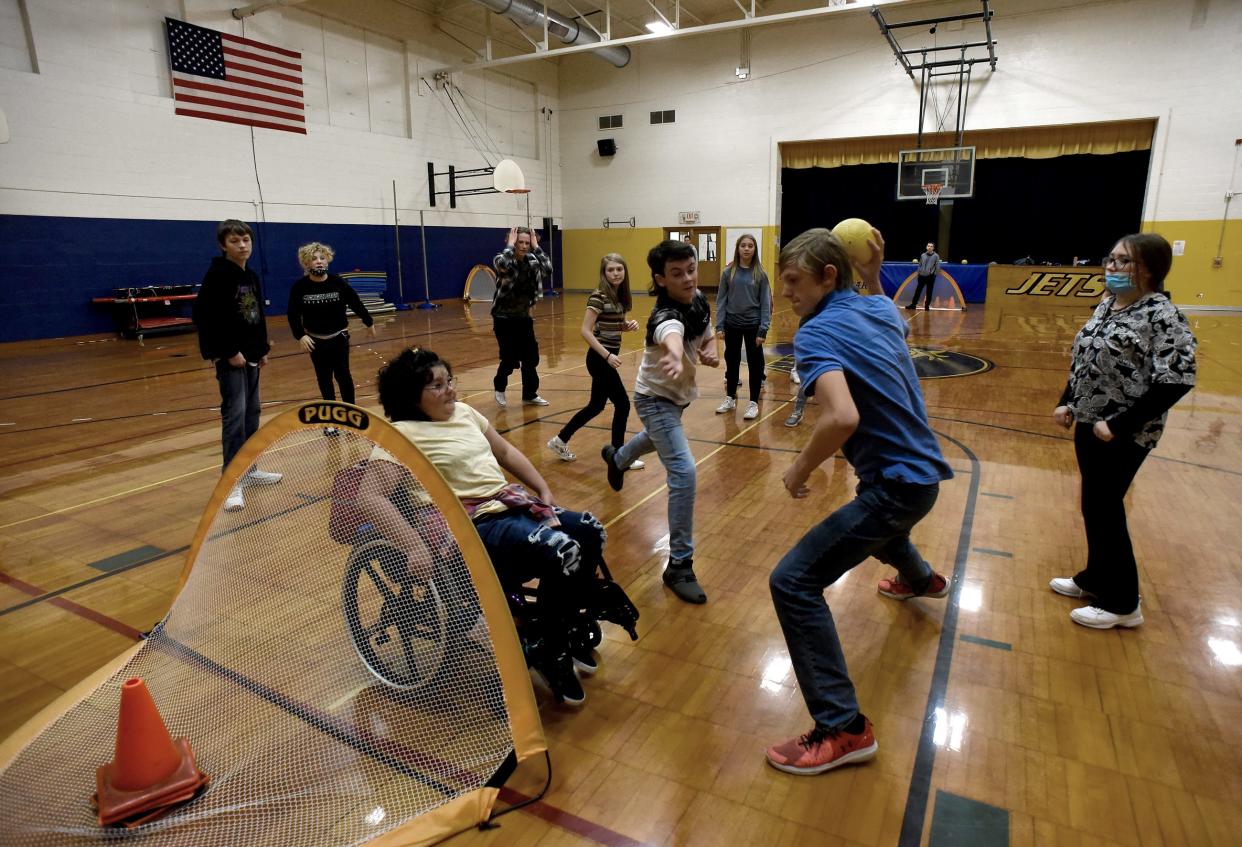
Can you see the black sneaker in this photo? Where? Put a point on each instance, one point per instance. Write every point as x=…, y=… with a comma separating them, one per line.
x=558, y=673
x=584, y=660
x=616, y=475
x=680, y=577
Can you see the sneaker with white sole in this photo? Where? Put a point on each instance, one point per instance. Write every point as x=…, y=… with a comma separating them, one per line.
x=794, y=418
x=1065, y=585
x=500, y=399
x=637, y=465
x=236, y=501
x=1097, y=618
x=727, y=405
x=585, y=661
x=823, y=749
x=262, y=478
x=561, y=449
x=535, y=401
x=752, y=411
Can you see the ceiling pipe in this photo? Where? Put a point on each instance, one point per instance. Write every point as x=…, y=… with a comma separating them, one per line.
x=567, y=30
x=255, y=8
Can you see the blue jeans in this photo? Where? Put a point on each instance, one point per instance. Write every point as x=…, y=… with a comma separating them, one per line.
x=239, y=406
x=662, y=433
x=564, y=558
x=875, y=523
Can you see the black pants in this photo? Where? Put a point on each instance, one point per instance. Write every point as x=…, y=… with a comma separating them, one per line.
x=605, y=385
x=734, y=338
x=331, y=359
x=1108, y=468
x=927, y=282
x=518, y=348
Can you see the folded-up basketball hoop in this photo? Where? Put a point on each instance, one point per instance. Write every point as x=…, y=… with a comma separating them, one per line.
x=932, y=190
x=507, y=177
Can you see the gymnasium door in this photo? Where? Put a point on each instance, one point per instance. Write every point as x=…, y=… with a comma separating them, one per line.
x=706, y=240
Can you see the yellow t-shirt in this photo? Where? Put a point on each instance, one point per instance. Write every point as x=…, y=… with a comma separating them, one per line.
x=460, y=451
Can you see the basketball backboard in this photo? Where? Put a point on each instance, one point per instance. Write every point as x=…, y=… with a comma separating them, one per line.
x=951, y=167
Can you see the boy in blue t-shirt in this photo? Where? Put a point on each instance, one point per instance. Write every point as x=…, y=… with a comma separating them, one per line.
x=852, y=356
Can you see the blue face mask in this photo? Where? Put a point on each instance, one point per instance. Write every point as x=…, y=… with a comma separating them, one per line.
x=1118, y=283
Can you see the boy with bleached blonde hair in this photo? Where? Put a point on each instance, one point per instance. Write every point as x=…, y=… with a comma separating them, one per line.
x=317, y=318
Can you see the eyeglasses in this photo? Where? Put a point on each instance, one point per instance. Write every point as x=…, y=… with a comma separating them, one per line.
x=441, y=386
x=1119, y=261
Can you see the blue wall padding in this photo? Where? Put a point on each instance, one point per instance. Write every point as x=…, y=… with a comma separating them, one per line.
x=57, y=264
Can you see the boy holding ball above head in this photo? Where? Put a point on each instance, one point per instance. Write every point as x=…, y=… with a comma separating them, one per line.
x=679, y=337
x=852, y=356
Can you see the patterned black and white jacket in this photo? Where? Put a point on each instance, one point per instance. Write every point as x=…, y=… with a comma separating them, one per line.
x=1130, y=366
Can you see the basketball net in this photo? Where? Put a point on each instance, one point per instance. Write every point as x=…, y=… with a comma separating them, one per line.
x=932, y=190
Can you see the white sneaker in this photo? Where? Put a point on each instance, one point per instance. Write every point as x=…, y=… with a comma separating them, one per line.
x=235, y=502
x=561, y=449
x=752, y=411
x=1097, y=618
x=729, y=404
x=637, y=465
x=262, y=478
x=536, y=401
x=1066, y=585
x=794, y=378
x=500, y=399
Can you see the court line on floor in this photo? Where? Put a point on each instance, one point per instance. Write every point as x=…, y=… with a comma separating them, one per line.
x=919, y=792
x=107, y=497
x=1069, y=439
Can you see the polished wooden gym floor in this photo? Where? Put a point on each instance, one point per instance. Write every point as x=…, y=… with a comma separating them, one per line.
x=999, y=720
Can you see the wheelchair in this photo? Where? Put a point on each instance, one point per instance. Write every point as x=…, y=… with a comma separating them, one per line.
x=409, y=631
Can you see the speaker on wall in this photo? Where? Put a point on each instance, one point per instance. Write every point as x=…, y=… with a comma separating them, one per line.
x=606, y=146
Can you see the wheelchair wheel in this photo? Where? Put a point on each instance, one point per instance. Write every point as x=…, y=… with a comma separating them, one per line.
x=398, y=625
x=585, y=634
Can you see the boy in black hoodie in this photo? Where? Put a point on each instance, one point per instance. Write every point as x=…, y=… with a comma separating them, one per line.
x=232, y=333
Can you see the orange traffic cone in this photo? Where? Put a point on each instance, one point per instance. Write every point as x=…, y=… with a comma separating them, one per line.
x=151, y=772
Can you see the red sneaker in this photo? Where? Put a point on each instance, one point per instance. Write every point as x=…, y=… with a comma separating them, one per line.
x=898, y=590
x=823, y=749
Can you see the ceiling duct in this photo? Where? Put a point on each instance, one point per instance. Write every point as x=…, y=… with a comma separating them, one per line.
x=569, y=31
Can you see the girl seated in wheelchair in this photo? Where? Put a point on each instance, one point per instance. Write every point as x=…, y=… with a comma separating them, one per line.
x=526, y=534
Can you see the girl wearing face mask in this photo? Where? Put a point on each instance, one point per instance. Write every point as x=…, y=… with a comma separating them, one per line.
x=317, y=318
x=1131, y=362
x=602, y=326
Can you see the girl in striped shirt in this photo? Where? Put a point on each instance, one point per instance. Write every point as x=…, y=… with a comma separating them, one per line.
x=602, y=326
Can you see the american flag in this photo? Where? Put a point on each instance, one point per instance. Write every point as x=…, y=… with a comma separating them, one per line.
x=222, y=77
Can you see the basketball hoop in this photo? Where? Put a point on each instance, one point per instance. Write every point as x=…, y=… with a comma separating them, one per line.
x=932, y=190
x=508, y=179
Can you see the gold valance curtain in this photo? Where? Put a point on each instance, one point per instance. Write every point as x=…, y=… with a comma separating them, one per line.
x=1031, y=142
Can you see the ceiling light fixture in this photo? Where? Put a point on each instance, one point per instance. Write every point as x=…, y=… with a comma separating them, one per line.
x=659, y=28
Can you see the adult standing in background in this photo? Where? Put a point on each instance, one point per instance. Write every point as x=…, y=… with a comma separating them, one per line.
x=1132, y=361
x=743, y=315
x=521, y=269
x=929, y=266
x=232, y=333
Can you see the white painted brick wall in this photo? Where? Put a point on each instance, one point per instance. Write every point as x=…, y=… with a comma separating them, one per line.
x=1179, y=62
x=94, y=134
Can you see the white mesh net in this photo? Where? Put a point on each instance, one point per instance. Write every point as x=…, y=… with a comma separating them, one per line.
x=480, y=285
x=329, y=696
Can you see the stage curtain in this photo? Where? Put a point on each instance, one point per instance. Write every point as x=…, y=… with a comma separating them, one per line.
x=1036, y=142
